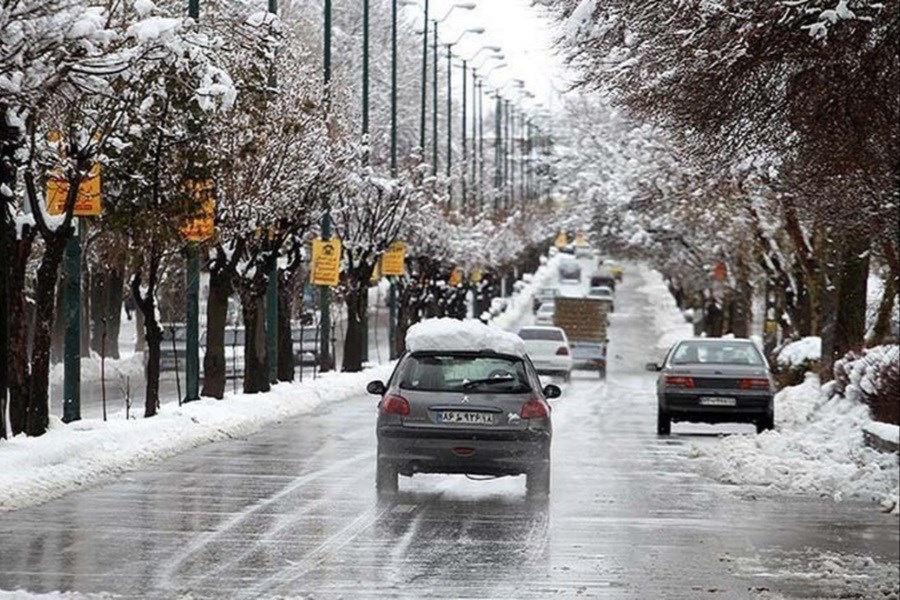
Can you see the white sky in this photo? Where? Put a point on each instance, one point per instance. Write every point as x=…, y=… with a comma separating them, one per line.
x=523, y=32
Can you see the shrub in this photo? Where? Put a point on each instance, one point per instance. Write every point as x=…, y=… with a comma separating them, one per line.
x=872, y=377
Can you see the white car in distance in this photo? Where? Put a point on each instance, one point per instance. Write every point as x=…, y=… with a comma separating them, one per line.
x=549, y=350
x=544, y=315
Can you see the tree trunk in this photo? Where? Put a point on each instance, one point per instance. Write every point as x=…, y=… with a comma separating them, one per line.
x=153, y=336
x=214, y=363
x=58, y=342
x=140, y=339
x=357, y=300
x=19, y=368
x=86, y=309
x=881, y=330
x=256, y=372
x=285, y=370
x=45, y=295
x=850, y=332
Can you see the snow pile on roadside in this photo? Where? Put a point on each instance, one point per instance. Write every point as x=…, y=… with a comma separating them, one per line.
x=886, y=431
x=817, y=446
x=87, y=452
x=128, y=366
x=805, y=350
x=521, y=304
x=468, y=336
x=668, y=318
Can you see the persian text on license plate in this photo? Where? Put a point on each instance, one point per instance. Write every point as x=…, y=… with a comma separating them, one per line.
x=717, y=401
x=465, y=418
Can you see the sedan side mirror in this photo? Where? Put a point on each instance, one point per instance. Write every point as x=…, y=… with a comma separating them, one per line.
x=653, y=367
x=376, y=388
x=552, y=391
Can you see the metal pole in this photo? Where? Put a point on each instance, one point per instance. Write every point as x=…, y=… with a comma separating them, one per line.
x=465, y=155
x=5, y=248
x=434, y=105
x=498, y=115
x=272, y=284
x=365, y=82
x=72, y=360
x=325, y=359
x=481, y=143
x=424, y=75
x=192, y=343
x=394, y=88
x=506, y=132
x=194, y=9
x=392, y=318
x=449, y=124
x=473, y=177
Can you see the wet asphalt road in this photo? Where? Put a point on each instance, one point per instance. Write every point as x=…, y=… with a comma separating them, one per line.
x=292, y=513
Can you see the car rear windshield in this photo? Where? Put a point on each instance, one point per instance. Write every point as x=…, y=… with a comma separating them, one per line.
x=549, y=335
x=472, y=373
x=717, y=353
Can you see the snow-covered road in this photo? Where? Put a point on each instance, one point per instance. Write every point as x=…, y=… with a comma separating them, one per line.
x=292, y=512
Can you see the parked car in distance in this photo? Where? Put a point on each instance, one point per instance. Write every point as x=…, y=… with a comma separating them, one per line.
x=548, y=348
x=714, y=381
x=544, y=315
x=606, y=294
x=455, y=407
x=589, y=356
x=583, y=251
x=603, y=278
x=543, y=295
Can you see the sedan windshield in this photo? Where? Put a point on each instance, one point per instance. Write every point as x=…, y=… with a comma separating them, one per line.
x=464, y=372
x=719, y=353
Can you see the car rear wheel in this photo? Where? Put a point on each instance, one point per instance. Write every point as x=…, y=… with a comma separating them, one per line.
x=537, y=482
x=385, y=478
x=765, y=424
x=663, y=423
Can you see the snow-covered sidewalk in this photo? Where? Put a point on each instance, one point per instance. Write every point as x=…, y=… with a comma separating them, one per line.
x=816, y=447
x=87, y=452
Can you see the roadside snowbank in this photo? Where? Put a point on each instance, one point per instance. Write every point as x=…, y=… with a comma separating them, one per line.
x=667, y=317
x=817, y=447
x=131, y=365
x=520, y=304
x=805, y=350
x=90, y=451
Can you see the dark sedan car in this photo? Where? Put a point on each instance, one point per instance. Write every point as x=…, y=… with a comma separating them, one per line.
x=479, y=413
x=714, y=381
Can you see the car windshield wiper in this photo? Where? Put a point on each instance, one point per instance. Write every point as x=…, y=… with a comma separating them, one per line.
x=491, y=380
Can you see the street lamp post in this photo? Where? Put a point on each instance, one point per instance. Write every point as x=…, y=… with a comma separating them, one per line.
x=272, y=285
x=192, y=284
x=325, y=358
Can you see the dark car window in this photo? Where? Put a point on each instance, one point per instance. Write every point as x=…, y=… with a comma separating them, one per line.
x=548, y=335
x=460, y=372
x=717, y=353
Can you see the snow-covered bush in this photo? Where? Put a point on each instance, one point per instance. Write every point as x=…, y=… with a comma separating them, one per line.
x=871, y=377
x=795, y=358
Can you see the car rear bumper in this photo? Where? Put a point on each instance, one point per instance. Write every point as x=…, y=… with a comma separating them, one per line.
x=688, y=407
x=588, y=364
x=563, y=364
x=475, y=452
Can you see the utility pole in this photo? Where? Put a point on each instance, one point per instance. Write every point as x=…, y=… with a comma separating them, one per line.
x=434, y=105
x=392, y=294
x=272, y=284
x=424, y=73
x=465, y=156
x=72, y=358
x=449, y=124
x=498, y=116
x=326, y=362
x=192, y=285
x=5, y=248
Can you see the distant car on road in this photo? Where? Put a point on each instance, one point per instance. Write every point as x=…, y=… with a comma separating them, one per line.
x=606, y=294
x=714, y=381
x=548, y=294
x=548, y=348
x=603, y=278
x=544, y=315
x=589, y=356
x=460, y=403
x=584, y=251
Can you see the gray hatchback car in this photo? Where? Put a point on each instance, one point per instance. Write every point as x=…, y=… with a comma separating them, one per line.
x=479, y=413
x=714, y=381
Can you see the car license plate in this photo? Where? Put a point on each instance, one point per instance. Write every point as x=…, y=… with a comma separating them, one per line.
x=717, y=401
x=465, y=418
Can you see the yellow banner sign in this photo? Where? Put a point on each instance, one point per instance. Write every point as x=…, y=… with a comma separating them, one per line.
x=87, y=203
x=477, y=275
x=393, y=261
x=562, y=240
x=456, y=276
x=326, y=262
x=202, y=225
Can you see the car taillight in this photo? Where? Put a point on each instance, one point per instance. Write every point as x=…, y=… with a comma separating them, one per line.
x=534, y=409
x=563, y=351
x=680, y=381
x=395, y=405
x=754, y=384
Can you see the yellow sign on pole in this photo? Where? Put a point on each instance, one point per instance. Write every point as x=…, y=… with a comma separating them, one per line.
x=456, y=276
x=326, y=262
x=477, y=275
x=580, y=240
x=202, y=225
x=393, y=261
x=562, y=240
x=87, y=203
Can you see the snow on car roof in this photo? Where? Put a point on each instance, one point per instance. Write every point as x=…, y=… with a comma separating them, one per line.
x=451, y=335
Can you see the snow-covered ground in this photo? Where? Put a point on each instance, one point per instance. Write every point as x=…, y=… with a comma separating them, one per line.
x=816, y=447
x=520, y=303
x=86, y=452
x=667, y=318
